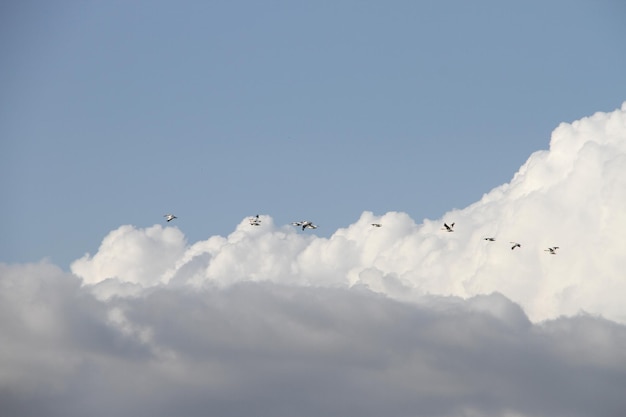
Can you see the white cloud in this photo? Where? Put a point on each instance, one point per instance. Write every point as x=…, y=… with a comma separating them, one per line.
x=133, y=255
x=571, y=196
x=404, y=319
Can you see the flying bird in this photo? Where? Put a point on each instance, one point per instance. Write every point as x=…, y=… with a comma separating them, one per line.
x=515, y=245
x=448, y=228
x=255, y=221
x=552, y=250
x=305, y=224
x=170, y=217
x=490, y=239
x=376, y=224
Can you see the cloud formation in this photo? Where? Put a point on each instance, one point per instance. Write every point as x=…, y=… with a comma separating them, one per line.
x=405, y=319
x=270, y=349
x=571, y=196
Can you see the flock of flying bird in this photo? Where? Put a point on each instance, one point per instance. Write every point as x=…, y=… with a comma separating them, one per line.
x=305, y=224
x=450, y=228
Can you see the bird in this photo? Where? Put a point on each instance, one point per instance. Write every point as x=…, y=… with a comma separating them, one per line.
x=305, y=224
x=170, y=217
x=515, y=245
x=448, y=228
x=255, y=221
x=490, y=239
x=552, y=250
x=376, y=224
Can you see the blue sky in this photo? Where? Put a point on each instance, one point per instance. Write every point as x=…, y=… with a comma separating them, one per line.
x=116, y=112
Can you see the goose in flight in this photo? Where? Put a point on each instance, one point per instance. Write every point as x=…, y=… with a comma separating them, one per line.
x=255, y=221
x=490, y=239
x=552, y=250
x=170, y=217
x=305, y=224
x=448, y=228
x=515, y=245
x=376, y=224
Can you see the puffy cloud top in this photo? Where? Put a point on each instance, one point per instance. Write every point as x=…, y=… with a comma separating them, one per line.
x=571, y=196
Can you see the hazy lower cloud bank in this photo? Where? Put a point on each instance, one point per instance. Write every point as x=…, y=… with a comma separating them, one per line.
x=401, y=320
x=270, y=349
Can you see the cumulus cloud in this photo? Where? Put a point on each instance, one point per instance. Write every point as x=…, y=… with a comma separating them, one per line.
x=571, y=196
x=135, y=256
x=405, y=319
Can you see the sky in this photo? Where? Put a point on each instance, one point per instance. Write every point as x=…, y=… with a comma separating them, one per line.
x=115, y=113
x=508, y=120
